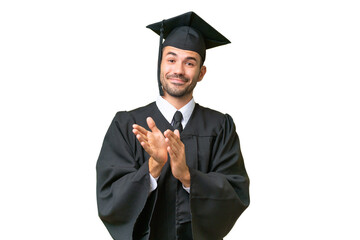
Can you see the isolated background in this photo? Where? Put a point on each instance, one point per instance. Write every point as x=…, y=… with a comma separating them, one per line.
x=289, y=79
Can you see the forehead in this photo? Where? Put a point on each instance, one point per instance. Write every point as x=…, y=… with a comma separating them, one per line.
x=180, y=52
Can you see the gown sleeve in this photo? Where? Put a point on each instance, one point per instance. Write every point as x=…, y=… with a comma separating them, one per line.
x=218, y=198
x=123, y=183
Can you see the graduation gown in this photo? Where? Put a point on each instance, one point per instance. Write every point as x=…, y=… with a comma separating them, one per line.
x=219, y=190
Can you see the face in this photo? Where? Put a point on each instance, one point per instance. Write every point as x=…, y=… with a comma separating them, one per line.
x=180, y=71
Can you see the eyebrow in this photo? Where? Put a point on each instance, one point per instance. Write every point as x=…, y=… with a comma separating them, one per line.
x=191, y=58
x=172, y=53
x=175, y=55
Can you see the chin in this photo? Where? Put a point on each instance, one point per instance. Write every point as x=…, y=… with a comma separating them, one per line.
x=176, y=94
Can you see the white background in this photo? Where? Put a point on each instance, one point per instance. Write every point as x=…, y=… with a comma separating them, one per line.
x=289, y=79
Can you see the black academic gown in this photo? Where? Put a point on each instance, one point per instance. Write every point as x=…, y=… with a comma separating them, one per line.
x=219, y=190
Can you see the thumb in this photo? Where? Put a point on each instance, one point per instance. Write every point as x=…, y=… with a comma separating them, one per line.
x=177, y=133
x=151, y=124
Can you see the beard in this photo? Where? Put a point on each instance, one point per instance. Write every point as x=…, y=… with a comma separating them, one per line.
x=175, y=90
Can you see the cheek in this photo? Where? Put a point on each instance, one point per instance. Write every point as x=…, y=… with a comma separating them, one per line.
x=194, y=74
x=165, y=69
x=163, y=66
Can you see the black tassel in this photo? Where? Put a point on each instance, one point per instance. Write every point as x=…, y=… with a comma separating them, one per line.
x=160, y=58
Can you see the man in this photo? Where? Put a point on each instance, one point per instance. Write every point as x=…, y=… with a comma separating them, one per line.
x=173, y=169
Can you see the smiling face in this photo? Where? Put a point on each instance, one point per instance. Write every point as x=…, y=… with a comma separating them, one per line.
x=180, y=72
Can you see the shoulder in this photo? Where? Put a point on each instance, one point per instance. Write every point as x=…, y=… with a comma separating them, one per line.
x=135, y=114
x=208, y=112
x=124, y=120
x=143, y=110
x=215, y=115
x=212, y=119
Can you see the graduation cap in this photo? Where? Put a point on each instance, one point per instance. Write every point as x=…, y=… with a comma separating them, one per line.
x=187, y=32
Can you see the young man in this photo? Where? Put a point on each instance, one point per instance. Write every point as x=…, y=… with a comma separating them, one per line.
x=173, y=169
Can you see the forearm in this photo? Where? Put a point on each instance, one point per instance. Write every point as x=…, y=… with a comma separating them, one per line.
x=154, y=173
x=223, y=197
x=185, y=179
x=155, y=167
x=116, y=187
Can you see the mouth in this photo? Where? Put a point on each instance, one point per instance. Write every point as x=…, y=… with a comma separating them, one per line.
x=177, y=79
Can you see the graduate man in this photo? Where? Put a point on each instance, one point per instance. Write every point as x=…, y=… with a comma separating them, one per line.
x=173, y=169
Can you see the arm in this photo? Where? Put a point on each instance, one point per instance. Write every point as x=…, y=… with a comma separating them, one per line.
x=154, y=144
x=223, y=192
x=122, y=180
x=217, y=197
x=176, y=150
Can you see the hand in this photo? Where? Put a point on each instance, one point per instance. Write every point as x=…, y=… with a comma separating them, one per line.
x=154, y=144
x=176, y=150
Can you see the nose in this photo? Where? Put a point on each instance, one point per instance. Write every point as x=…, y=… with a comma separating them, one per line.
x=179, y=68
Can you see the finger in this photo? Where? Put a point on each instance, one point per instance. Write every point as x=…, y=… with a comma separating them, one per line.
x=145, y=145
x=151, y=124
x=169, y=134
x=172, y=139
x=175, y=154
x=140, y=136
x=140, y=128
x=143, y=140
x=172, y=153
x=177, y=133
x=174, y=148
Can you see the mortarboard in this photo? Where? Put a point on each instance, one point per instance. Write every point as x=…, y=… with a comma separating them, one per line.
x=188, y=32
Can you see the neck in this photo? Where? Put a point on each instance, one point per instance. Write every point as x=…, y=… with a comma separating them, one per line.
x=177, y=102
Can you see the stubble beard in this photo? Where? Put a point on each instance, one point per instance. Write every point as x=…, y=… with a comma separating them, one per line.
x=176, y=91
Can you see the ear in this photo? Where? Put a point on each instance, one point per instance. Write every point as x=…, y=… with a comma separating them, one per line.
x=202, y=73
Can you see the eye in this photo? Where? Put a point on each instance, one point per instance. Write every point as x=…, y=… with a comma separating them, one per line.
x=171, y=60
x=190, y=64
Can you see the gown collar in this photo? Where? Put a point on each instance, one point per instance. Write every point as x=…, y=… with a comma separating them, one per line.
x=168, y=110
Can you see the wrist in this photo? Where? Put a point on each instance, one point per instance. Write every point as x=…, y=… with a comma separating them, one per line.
x=155, y=167
x=186, y=179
